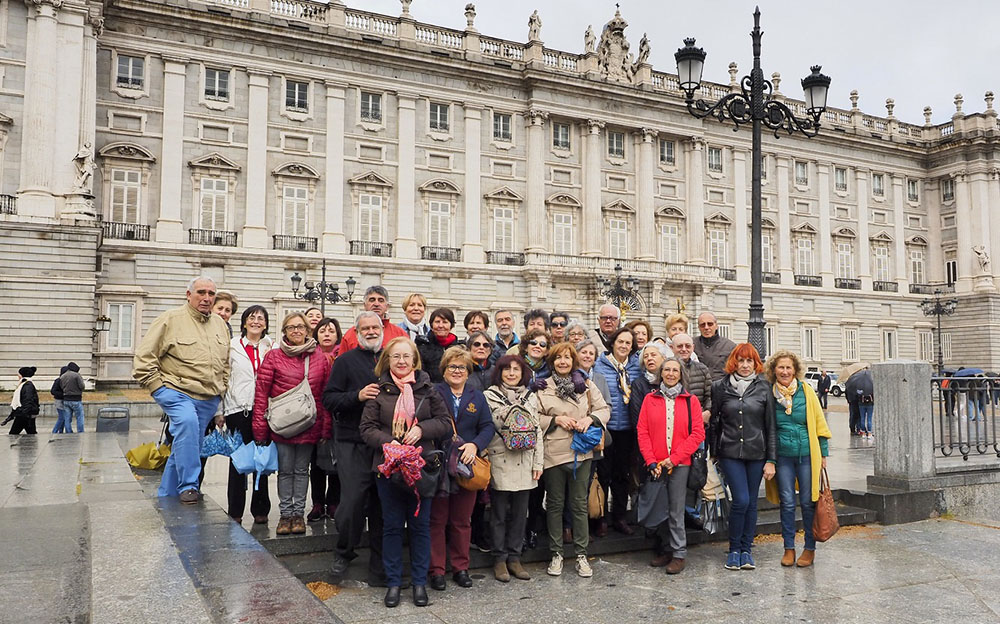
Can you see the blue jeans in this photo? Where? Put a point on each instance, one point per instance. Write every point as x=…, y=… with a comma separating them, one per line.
x=189, y=418
x=790, y=469
x=64, y=423
x=977, y=406
x=74, y=407
x=398, y=506
x=743, y=479
x=865, y=418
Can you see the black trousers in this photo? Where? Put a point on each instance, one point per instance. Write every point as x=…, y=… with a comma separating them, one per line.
x=25, y=424
x=536, y=508
x=358, y=500
x=616, y=472
x=823, y=398
x=508, y=515
x=855, y=415
x=260, y=500
x=325, y=485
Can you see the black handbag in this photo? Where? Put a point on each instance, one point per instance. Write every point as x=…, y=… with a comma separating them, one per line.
x=430, y=476
x=698, y=473
x=653, y=504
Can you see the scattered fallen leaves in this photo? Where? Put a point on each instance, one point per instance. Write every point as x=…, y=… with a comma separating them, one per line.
x=860, y=531
x=323, y=591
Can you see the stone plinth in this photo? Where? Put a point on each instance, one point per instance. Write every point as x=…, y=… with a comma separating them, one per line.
x=902, y=421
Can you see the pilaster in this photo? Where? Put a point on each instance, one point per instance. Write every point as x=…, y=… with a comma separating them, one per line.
x=536, y=180
x=255, y=228
x=982, y=239
x=695, y=159
x=785, y=266
x=993, y=194
x=740, y=230
x=898, y=233
x=472, y=248
x=406, y=240
x=645, y=210
x=169, y=227
x=864, y=243
x=965, y=227
x=592, y=218
x=334, y=240
x=825, y=242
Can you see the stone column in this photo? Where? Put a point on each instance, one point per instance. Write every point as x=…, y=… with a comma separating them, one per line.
x=695, y=158
x=169, y=227
x=406, y=240
x=255, y=228
x=785, y=265
x=35, y=195
x=864, y=267
x=334, y=240
x=536, y=181
x=902, y=421
x=966, y=228
x=825, y=242
x=980, y=191
x=472, y=249
x=740, y=230
x=645, y=210
x=994, y=199
x=934, y=261
x=899, y=234
x=593, y=221
x=75, y=123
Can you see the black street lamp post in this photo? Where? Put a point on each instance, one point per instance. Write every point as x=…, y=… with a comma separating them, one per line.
x=753, y=105
x=620, y=290
x=323, y=291
x=937, y=307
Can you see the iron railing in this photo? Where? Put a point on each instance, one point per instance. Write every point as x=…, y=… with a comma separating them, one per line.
x=882, y=286
x=370, y=248
x=850, y=283
x=808, y=280
x=8, y=204
x=446, y=254
x=728, y=274
x=219, y=238
x=294, y=243
x=126, y=231
x=513, y=258
x=928, y=289
x=771, y=277
x=965, y=415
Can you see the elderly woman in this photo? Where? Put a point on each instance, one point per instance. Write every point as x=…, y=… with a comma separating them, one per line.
x=575, y=332
x=803, y=446
x=650, y=358
x=408, y=410
x=642, y=331
x=743, y=440
x=534, y=348
x=670, y=429
x=414, y=307
x=451, y=514
x=23, y=403
x=587, y=353
x=515, y=472
x=313, y=317
x=476, y=321
x=480, y=348
x=678, y=324
x=432, y=345
x=325, y=485
x=295, y=358
x=569, y=404
x=619, y=370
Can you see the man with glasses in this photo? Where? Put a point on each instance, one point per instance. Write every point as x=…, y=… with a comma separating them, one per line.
x=183, y=362
x=377, y=301
x=352, y=383
x=557, y=324
x=713, y=350
x=698, y=381
x=609, y=319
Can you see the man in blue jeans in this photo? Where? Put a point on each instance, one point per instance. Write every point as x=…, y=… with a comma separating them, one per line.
x=183, y=361
x=72, y=386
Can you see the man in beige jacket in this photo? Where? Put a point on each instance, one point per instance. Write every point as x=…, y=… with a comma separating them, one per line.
x=183, y=361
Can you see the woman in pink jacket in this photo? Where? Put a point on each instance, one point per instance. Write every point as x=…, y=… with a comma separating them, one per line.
x=282, y=369
x=668, y=435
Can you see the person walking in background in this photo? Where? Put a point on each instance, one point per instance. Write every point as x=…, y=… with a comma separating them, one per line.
x=72, y=385
x=64, y=423
x=823, y=389
x=23, y=403
x=377, y=301
x=414, y=308
x=860, y=392
x=325, y=486
x=712, y=348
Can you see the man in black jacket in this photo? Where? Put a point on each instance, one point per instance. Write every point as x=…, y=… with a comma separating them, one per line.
x=352, y=383
x=823, y=389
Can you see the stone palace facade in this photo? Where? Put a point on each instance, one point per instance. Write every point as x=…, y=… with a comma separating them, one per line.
x=143, y=142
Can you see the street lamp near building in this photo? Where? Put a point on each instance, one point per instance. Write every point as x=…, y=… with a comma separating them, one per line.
x=938, y=307
x=101, y=324
x=620, y=291
x=753, y=105
x=322, y=291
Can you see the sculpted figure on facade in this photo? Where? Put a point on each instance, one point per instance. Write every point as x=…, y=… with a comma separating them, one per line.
x=535, y=27
x=84, y=161
x=612, y=53
x=589, y=41
x=643, y=50
x=982, y=257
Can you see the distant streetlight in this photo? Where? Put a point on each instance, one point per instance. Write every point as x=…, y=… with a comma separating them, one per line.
x=937, y=307
x=620, y=290
x=322, y=291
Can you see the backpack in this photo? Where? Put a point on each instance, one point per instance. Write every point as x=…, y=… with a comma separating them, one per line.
x=519, y=430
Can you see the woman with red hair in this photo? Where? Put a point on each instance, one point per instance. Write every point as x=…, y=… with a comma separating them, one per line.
x=742, y=437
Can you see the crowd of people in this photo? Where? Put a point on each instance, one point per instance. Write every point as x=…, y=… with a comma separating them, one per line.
x=562, y=415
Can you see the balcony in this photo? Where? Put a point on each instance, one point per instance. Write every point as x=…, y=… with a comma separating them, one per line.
x=445, y=254
x=847, y=282
x=809, y=280
x=8, y=204
x=880, y=286
x=126, y=231
x=511, y=258
x=294, y=243
x=928, y=289
x=371, y=248
x=728, y=274
x=219, y=238
x=589, y=266
x=770, y=277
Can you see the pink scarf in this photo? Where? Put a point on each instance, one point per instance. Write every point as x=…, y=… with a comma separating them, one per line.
x=404, y=413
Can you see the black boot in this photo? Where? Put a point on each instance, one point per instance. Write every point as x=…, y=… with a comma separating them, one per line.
x=420, y=595
x=392, y=597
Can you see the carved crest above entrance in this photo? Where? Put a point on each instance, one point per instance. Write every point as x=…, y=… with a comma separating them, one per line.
x=613, y=57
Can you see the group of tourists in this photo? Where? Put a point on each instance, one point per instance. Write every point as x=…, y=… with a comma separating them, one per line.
x=501, y=434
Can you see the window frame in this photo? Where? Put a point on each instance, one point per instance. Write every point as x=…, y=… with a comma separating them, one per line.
x=849, y=335
x=718, y=245
x=917, y=265
x=714, y=163
x=567, y=226
x=498, y=127
x=881, y=263
x=213, y=91
x=438, y=117
x=616, y=144
x=845, y=260
x=838, y=185
x=126, y=185
x=439, y=211
x=801, y=177
x=668, y=152
x=373, y=114
x=508, y=223
x=878, y=184
x=912, y=190
x=890, y=343
x=670, y=243
x=618, y=229
x=948, y=190
x=810, y=343
x=561, y=136
x=805, y=245
x=925, y=345
x=298, y=203
x=215, y=193
x=114, y=334
x=370, y=207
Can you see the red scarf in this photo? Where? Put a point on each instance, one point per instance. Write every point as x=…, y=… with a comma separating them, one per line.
x=404, y=413
x=447, y=341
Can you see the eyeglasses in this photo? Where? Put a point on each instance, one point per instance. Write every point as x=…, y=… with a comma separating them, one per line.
x=295, y=327
x=538, y=343
x=684, y=347
x=406, y=357
x=609, y=318
x=481, y=344
x=559, y=323
x=456, y=368
x=706, y=324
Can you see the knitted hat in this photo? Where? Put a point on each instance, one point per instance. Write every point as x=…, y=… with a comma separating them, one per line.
x=26, y=371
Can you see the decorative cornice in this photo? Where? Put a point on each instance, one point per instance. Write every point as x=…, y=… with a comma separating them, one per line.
x=594, y=126
x=537, y=116
x=55, y=4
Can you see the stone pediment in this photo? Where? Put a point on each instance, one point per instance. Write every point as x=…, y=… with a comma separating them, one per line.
x=804, y=228
x=564, y=199
x=671, y=211
x=5, y=120
x=882, y=237
x=917, y=240
x=440, y=185
x=765, y=224
x=370, y=178
x=720, y=218
x=845, y=232
x=296, y=170
x=214, y=160
x=504, y=193
x=130, y=151
x=620, y=206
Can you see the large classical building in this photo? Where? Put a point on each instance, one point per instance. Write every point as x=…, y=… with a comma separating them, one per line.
x=143, y=142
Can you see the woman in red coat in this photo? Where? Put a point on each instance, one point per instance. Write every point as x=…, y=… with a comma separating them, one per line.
x=668, y=435
x=281, y=370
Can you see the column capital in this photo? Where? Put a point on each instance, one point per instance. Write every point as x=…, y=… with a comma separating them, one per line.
x=259, y=78
x=696, y=142
x=54, y=4
x=470, y=106
x=823, y=167
x=995, y=173
x=861, y=172
x=648, y=134
x=897, y=178
x=782, y=161
x=594, y=126
x=407, y=96
x=959, y=175
x=739, y=154
x=537, y=117
x=335, y=89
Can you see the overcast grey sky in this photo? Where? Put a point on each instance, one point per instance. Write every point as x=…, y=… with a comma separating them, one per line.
x=918, y=52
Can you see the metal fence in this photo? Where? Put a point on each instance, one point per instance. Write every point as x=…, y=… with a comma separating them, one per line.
x=965, y=415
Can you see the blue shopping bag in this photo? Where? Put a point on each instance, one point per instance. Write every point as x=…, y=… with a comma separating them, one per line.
x=243, y=458
x=220, y=442
x=265, y=460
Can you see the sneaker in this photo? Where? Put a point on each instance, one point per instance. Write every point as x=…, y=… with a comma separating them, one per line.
x=733, y=561
x=317, y=513
x=583, y=567
x=555, y=566
x=746, y=561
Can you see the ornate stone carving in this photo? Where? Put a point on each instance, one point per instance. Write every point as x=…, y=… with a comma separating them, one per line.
x=537, y=117
x=594, y=126
x=470, y=16
x=959, y=100
x=982, y=257
x=613, y=57
x=927, y=115
x=643, y=50
x=854, y=99
x=589, y=41
x=84, y=161
x=890, y=105
x=406, y=7
x=534, y=27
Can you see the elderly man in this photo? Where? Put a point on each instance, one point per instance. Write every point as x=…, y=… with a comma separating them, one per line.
x=609, y=318
x=713, y=350
x=506, y=337
x=183, y=361
x=377, y=301
x=698, y=377
x=352, y=383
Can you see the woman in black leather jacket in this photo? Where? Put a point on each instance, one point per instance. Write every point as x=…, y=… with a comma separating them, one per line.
x=742, y=438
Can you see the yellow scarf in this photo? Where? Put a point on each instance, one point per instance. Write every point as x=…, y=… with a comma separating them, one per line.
x=784, y=394
x=817, y=428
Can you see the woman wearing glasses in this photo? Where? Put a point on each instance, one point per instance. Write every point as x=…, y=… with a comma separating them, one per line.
x=480, y=348
x=534, y=348
x=282, y=369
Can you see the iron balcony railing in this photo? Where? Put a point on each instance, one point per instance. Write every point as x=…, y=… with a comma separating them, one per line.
x=849, y=283
x=294, y=243
x=881, y=286
x=446, y=254
x=965, y=415
x=771, y=277
x=808, y=280
x=126, y=231
x=370, y=248
x=8, y=204
x=928, y=289
x=512, y=258
x=728, y=274
x=219, y=238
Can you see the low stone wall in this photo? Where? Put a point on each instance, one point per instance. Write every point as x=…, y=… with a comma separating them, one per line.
x=144, y=409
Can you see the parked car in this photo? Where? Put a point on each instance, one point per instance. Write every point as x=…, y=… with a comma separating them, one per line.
x=836, y=388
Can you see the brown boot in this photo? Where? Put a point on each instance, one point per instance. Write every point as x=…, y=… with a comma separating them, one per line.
x=806, y=559
x=602, y=528
x=676, y=566
x=284, y=526
x=515, y=567
x=298, y=525
x=660, y=560
x=500, y=572
x=789, y=558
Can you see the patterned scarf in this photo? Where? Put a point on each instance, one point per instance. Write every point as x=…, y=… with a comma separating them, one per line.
x=623, y=381
x=741, y=383
x=565, y=389
x=405, y=411
x=670, y=392
x=784, y=394
x=421, y=329
x=296, y=350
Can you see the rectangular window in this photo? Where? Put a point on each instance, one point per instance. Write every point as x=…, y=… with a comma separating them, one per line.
x=370, y=218
x=951, y=271
x=217, y=84
x=917, y=266
x=562, y=234
x=296, y=95
x=371, y=107
x=850, y=344
x=925, y=345
x=878, y=185
x=295, y=210
x=725, y=329
x=769, y=338
x=810, y=343
x=501, y=127
x=947, y=189
x=122, y=318
x=214, y=203
x=125, y=193
x=717, y=249
x=912, y=191
x=503, y=229
x=439, y=224
x=616, y=144
x=438, y=117
x=763, y=173
x=845, y=261
x=840, y=179
x=618, y=238
x=666, y=152
x=670, y=242
x=804, y=256
x=715, y=159
x=560, y=136
x=889, y=344
x=946, y=346
x=766, y=255
x=130, y=71
x=880, y=258
x=803, y=208
x=802, y=173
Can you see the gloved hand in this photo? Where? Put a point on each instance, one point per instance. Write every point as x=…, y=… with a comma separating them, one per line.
x=579, y=381
x=537, y=384
x=262, y=442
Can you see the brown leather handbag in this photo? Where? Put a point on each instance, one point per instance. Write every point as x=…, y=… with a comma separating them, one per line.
x=480, y=479
x=825, y=522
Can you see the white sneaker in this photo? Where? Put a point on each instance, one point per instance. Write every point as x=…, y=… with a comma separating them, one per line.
x=583, y=567
x=555, y=566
